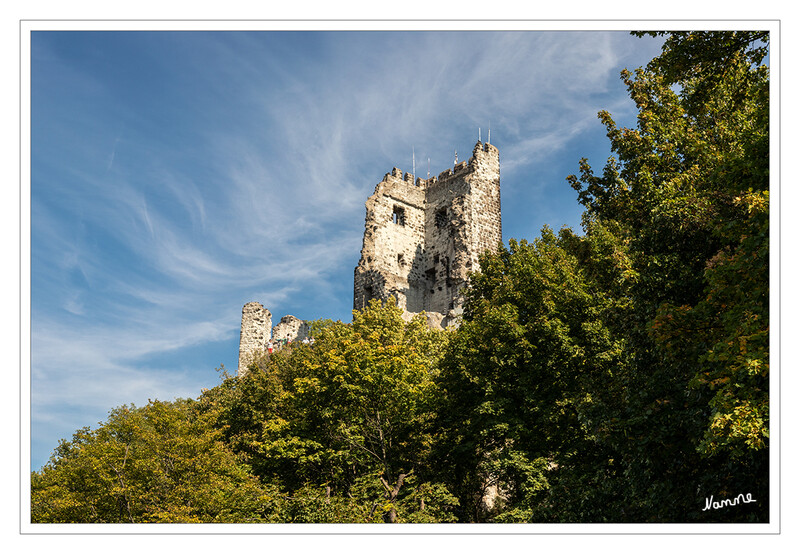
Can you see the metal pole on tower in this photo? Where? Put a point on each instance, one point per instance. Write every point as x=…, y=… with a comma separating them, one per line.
x=413, y=163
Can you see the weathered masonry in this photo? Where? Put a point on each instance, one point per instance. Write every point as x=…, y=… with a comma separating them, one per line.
x=257, y=332
x=422, y=237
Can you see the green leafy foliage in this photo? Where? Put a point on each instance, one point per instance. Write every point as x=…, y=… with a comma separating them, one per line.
x=524, y=379
x=353, y=408
x=689, y=195
x=633, y=360
x=160, y=463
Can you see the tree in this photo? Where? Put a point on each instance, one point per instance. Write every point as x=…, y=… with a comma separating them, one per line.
x=622, y=375
x=160, y=463
x=689, y=193
x=351, y=409
x=522, y=376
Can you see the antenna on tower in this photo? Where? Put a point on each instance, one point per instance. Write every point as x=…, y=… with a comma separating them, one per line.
x=456, y=162
x=489, y=139
x=479, y=134
x=413, y=163
x=429, y=168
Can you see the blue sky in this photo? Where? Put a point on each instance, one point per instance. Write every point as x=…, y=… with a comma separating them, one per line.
x=176, y=176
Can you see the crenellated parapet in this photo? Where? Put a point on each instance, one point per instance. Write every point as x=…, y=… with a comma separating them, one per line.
x=445, y=175
x=481, y=152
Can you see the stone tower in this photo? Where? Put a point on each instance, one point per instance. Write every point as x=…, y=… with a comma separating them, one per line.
x=423, y=237
x=256, y=329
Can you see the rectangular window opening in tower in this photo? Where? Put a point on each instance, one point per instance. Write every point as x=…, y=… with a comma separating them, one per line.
x=399, y=215
x=441, y=218
x=430, y=275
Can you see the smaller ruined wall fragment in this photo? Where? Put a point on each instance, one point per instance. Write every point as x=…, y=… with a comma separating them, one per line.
x=290, y=329
x=257, y=333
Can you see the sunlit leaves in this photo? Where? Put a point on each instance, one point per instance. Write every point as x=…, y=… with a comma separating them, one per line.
x=159, y=463
x=352, y=409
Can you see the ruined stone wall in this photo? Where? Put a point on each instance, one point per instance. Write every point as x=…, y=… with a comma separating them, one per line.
x=290, y=329
x=447, y=238
x=255, y=333
x=486, y=232
x=392, y=257
x=423, y=237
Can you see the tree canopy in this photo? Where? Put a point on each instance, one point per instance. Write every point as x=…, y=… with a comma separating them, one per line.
x=162, y=463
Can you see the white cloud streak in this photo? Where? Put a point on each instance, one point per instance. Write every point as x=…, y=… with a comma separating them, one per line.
x=166, y=241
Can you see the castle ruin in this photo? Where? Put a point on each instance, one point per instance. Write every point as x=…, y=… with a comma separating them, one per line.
x=422, y=238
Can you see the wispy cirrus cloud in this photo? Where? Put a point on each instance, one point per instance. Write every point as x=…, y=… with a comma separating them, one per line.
x=177, y=176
